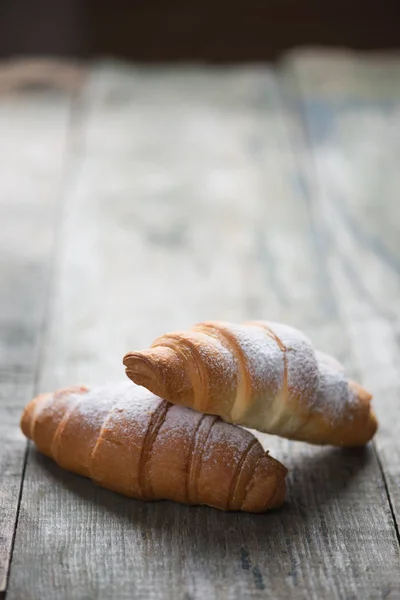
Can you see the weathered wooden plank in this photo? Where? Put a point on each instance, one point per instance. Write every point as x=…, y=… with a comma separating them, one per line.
x=188, y=206
x=354, y=125
x=32, y=151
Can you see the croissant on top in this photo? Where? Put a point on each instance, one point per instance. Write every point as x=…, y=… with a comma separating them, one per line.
x=261, y=375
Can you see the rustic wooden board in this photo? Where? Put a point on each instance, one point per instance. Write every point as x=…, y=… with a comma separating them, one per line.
x=189, y=204
x=32, y=151
x=352, y=110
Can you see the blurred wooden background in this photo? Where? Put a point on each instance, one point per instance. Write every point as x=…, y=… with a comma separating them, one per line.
x=136, y=200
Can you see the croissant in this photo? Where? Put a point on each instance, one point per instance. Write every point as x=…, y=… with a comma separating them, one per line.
x=129, y=441
x=261, y=375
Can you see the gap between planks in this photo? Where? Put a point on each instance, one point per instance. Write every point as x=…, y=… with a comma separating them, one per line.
x=56, y=207
x=361, y=93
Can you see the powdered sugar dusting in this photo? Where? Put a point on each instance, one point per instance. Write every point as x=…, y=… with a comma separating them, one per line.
x=220, y=361
x=302, y=367
x=126, y=402
x=264, y=359
x=136, y=406
x=329, y=361
x=232, y=439
x=223, y=359
x=180, y=424
x=94, y=405
x=131, y=407
x=334, y=395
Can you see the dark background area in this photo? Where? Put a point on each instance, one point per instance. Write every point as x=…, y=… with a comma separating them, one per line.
x=214, y=31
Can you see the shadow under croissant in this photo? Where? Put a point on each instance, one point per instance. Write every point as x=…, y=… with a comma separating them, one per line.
x=322, y=484
x=319, y=476
x=317, y=479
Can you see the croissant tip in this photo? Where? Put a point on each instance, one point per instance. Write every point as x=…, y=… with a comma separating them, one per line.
x=279, y=497
x=132, y=359
x=141, y=370
x=127, y=358
x=25, y=421
x=373, y=423
x=361, y=392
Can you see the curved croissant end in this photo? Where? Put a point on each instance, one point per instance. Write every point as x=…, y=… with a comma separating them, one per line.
x=161, y=370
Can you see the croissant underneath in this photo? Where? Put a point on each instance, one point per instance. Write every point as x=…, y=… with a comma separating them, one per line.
x=261, y=375
x=132, y=442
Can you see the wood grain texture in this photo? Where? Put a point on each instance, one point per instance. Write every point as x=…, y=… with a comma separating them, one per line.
x=189, y=204
x=32, y=151
x=351, y=107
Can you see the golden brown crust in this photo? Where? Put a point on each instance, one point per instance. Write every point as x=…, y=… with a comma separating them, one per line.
x=130, y=441
x=261, y=375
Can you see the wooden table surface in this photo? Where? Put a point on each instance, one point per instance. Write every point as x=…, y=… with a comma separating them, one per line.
x=152, y=198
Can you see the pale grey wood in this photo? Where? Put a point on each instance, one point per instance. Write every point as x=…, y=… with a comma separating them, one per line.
x=188, y=204
x=32, y=150
x=355, y=143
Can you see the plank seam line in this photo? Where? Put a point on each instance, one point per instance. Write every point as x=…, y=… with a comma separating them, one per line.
x=26, y=452
x=356, y=282
x=299, y=107
x=73, y=110
x=385, y=483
